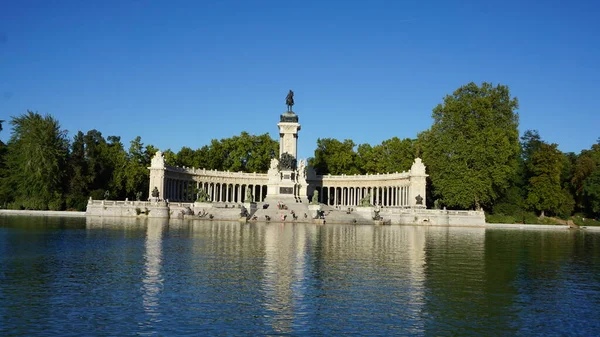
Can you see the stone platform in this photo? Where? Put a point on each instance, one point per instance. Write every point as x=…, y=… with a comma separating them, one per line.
x=271, y=212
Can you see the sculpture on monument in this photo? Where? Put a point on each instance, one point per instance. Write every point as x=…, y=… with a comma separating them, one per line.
x=302, y=166
x=274, y=164
x=202, y=196
x=315, y=198
x=249, y=197
x=287, y=162
x=366, y=201
x=289, y=100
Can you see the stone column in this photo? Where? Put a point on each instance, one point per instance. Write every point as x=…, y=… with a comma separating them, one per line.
x=288, y=133
x=335, y=196
x=167, y=186
x=186, y=190
x=417, y=183
x=157, y=175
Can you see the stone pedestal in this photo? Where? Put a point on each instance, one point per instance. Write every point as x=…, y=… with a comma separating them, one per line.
x=313, y=210
x=282, y=187
x=288, y=133
x=365, y=212
x=203, y=204
x=250, y=207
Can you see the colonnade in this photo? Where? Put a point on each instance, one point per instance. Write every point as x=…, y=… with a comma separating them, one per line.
x=185, y=190
x=389, y=196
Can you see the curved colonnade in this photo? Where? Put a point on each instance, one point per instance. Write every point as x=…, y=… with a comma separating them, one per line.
x=387, y=190
x=182, y=184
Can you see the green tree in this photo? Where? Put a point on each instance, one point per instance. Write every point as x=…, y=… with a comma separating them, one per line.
x=472, y=147
x=170, y=157
x=216, y=155
x=530, y=144
x=37, y=152
x=399, y=154
x=246, y=153
x=335, y=157
x=371, y=159
x=4, y=190
x=77, y=186
x=545, y=191
x=187, y=157
x=591, y=189
x=262, y=149
x=392, y=155
x=584, y=179
x=99, y=168
x=117, y=159
x=136, y=172
x=512, y=201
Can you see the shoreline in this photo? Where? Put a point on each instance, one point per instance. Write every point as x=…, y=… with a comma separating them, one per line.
x=42, y=213
x=76, y=214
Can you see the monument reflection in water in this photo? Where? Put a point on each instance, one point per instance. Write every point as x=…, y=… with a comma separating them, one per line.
x=299, y=278
x=152, y=277
x=152, y=281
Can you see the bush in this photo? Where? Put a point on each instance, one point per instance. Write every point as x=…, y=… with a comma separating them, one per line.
x=97, y=194
x=32, y=203
x=56, y=204
x=499, y=218
x=519, y=217
x=526, y=218
x=76, y=202
x=549, y=221
x=14, y=205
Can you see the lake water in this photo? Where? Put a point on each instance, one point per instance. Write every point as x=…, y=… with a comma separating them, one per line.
x=66, y=277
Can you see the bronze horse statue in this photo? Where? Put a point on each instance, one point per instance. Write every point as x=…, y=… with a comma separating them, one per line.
x=289, y=100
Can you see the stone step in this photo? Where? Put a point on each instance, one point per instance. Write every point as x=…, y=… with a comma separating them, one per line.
x=275, y=213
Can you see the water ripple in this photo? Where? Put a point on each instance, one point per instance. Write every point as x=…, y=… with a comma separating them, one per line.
x=218, y=278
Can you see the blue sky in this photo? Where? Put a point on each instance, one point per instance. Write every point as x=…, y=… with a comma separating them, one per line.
x=181, y=73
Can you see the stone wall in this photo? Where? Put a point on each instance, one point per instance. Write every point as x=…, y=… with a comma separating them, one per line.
x=162, y=209
x=114, y=208
x=432, y=217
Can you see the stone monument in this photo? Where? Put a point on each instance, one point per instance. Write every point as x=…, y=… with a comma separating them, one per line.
x=284, y=177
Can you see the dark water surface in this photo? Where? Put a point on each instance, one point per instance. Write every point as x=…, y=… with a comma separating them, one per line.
x=66, y=277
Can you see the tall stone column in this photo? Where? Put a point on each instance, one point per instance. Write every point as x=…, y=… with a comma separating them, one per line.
x=288, y=134
x=157, y=175
x=418, y=184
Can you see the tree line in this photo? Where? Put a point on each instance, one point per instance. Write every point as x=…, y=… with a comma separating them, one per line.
x=41, y=168
x=476, y=160
x=474, y=157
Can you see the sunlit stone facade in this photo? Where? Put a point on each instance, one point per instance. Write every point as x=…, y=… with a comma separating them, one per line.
x=296, y=182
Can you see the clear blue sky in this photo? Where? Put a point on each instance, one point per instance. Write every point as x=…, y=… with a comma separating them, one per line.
x=180, y=73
